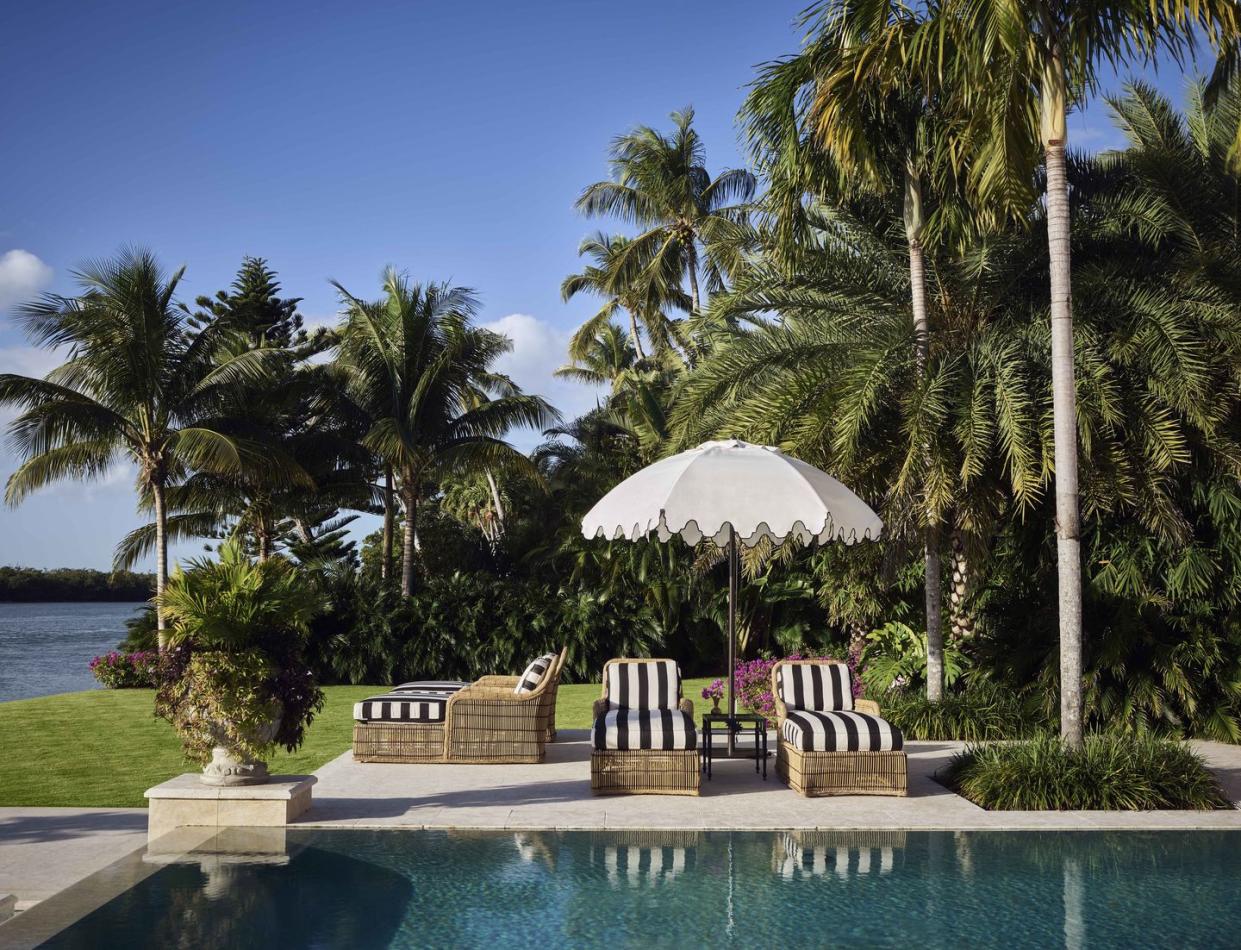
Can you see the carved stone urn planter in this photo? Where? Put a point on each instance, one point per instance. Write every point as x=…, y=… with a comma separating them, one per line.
x=228, y=768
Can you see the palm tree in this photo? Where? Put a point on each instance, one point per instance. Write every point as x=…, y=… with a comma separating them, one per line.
x=1011, y=72
x=645, y=297
x=661, y=185
x=873, y=140
x=607, y=359
x=423, y=373
x=139, y=384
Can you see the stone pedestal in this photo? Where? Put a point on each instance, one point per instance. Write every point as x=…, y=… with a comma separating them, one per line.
x=186, y=801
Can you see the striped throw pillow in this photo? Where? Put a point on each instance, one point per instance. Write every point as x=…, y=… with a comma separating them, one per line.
x=533, y=674
x=820, y=686
x=644, y=684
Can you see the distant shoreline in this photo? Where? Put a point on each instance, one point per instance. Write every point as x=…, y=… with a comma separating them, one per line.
x=74, y=600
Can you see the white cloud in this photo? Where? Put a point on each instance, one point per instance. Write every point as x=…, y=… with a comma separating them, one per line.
x=22, y=276
x=539, y=349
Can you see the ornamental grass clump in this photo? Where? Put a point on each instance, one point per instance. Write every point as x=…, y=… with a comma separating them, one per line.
x=1109, y=773
x=233, y=678
x=979, y=713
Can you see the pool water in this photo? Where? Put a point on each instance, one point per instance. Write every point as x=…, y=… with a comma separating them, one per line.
x=373, y=889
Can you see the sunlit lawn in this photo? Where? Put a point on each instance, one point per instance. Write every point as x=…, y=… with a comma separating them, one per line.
x=105, y=747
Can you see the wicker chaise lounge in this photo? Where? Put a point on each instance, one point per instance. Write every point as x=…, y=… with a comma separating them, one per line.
x=495, y=720
x=643, y=741
x=828, y=743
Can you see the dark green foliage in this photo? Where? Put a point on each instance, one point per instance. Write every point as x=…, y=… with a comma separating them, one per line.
x=27, y=584
x=252, y=305
x=980, y=712
x=467, y=625
x=1114, y=773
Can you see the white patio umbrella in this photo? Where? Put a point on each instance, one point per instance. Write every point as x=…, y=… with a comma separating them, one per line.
x=734, y=493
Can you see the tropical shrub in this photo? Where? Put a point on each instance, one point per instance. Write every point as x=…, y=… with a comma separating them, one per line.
x=234, y=666
x=115, y=670
x=894, y=657
x=1110, y=772
x=980, y=712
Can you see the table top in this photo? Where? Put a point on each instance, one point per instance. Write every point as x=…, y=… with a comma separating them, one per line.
x=724, y=717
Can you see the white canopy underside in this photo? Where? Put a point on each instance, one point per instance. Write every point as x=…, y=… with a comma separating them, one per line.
x=756, y=490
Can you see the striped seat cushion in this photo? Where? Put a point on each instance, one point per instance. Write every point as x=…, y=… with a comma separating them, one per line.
x=435, y=687
x=405, y=706
x=816, y=686
x=839, y=731
x=668, y=729
x=644, y=684
x=533, y=674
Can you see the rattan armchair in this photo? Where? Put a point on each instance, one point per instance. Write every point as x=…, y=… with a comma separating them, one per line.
x=814, y=773
x=630, y=771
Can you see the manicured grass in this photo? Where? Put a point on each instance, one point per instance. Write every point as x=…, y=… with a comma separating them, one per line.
x=104, y=748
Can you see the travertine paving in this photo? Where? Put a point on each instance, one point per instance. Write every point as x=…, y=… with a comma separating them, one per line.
x=556, y=794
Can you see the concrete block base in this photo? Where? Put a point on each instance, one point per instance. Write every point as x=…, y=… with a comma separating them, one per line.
x=185, y=801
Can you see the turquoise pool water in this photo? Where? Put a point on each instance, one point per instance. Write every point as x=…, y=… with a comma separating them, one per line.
x=373, y=889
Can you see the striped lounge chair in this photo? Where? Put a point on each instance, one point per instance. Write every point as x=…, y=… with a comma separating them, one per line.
x=829, y=743
x=643, y=739
x=494, y=720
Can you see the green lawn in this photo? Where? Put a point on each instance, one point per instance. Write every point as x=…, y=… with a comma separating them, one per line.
x=105, y=747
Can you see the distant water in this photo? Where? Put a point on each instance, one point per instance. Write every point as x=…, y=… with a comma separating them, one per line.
x=47, y=648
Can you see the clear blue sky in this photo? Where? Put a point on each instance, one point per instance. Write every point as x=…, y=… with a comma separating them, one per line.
x=449, y=139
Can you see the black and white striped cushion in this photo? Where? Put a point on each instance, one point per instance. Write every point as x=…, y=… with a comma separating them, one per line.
x=644, y=684
x=533, y=674
x=401, y=707
x=822, y=686
x=644, y=729
x=840, y=731
x=637, y=864
x=434, y=687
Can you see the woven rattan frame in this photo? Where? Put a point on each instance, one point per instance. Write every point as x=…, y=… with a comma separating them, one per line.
x=818, y=774
x=643, y=771
x=398, y=741
x=485, y=723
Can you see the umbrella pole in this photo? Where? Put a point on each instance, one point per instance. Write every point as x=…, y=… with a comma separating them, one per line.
x=732, y=637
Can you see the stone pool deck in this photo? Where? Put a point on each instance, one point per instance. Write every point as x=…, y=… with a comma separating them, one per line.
x=45, y=850
x=555, y=794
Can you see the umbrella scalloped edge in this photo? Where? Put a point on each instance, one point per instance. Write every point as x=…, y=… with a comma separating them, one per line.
x=692, y=533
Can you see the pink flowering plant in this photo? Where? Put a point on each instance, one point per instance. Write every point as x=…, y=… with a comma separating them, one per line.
x=714, y=692
x=752, y=681
x=116, y=670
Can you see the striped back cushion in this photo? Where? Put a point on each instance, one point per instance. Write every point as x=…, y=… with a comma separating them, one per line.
x=821, y=686
x=644, y=684
x=533, y=674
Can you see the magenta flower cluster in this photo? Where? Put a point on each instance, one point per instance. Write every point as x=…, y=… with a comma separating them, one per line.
x=715, y=691
x=752, y=682
x=137, y=670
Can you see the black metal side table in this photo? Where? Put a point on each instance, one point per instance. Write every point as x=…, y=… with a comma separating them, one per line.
x=735, y=724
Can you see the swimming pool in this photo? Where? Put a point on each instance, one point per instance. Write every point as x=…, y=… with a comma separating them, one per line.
x=378, y=889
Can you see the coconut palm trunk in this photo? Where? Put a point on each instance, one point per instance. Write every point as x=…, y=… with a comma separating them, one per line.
x=409, y=497
x=385, y=560
x=914, y=221
x=1064, y=402
x=161, y=558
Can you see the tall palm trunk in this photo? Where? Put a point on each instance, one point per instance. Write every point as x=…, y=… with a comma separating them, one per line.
x=409, y=497
x=161, y=557
x=1064, y=403
x=385, y=560
x=495, y=500
x=922, y=346
x=637, y=336
x=692, y=268
x=961, y=585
